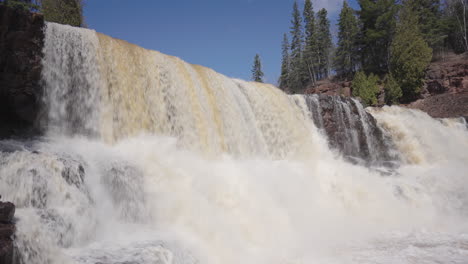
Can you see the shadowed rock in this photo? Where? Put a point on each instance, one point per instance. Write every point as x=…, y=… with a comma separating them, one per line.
x=21, y=42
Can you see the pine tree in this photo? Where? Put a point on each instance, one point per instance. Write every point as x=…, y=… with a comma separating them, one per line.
x=295, y=76
x=324, y=42
x=365, y=87
x=257, y=74
x=392, y=89
x=430, y=20
x=310, y=49
x=410, y=55
x=378, y=22
x=285, y=65
x=346, y=60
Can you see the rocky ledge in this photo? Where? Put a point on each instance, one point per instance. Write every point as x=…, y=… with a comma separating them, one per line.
x=7, y=229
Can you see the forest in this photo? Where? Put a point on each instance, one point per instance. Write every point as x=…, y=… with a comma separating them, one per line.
x=385, y=42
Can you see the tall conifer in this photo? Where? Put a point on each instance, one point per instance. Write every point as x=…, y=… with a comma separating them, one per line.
x=285, y=64
x=310, y=49
x=295, y=76
x=410, y=55
x=346, y=60
x=324, y=42
x=257, y=73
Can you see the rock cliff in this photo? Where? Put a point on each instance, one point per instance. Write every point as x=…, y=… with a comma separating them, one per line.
x=21, y=42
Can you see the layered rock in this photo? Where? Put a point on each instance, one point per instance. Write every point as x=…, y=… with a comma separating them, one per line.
x=21, y=43
x=350, y=129
x=7, y=229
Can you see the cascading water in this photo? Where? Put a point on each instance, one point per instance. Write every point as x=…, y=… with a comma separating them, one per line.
x=149, y=159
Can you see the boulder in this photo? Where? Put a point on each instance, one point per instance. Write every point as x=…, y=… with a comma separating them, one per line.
x=6, y=251
x=7, y=211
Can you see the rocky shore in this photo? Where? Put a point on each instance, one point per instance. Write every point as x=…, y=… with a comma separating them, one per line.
x=7, y=229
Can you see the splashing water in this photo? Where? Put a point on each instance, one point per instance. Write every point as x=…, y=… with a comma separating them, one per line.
x=149, y=159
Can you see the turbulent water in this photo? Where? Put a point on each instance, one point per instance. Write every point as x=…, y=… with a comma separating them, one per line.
x=148, y=159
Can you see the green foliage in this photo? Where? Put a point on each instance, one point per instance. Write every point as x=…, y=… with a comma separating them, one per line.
x=257, y=73
x=410, y=55
x=324, y=42
x=310, y=62
x=365, y=87
x=285, y=64
x=456, y=24
x=392, y=89
x=295, y=76
x=346, y=60
x=63, y=11
x=21, y=4
x=378, y=22
x=430, y=20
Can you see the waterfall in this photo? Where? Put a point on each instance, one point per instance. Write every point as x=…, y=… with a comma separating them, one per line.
x=149, y=159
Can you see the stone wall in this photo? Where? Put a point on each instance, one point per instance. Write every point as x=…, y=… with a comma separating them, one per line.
x=21, y=43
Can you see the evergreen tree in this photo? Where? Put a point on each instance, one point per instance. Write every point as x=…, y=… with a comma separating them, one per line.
x=430, y=20
x=295, y=76
x=346, y=60
x=410, y=55
x=365, y=87
x=285, y=65
x=310, y=49
x=392, y=89
x=378, y=22
x=257, y=74
x=29, y=5
x=63, y=11
x=324, y=42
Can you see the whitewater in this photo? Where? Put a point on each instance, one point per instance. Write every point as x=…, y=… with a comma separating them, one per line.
x=149, y=159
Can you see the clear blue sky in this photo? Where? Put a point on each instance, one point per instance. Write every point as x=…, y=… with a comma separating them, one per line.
x=220, y=34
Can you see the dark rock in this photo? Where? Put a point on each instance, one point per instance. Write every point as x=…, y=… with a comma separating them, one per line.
x=7, y=211
x=435, y=87
x=6, y=251
x=21, y=43
x=351, y=130
x=7, y=230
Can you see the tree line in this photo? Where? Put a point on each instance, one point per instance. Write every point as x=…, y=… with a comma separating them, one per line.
x=385, y=43
x=68, y=12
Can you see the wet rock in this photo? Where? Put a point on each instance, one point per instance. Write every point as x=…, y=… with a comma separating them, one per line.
x=6, y=251
x=7, y=211
x=351, y=130
x=7, y=229
x=21, y=42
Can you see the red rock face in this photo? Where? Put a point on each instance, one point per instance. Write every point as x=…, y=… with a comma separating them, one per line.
x=21, y=42
x=445, y=93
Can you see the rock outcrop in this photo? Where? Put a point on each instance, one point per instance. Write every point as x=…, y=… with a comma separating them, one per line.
x=7, y=229
x=351, y=130
x=21, y=43
x=445, y=92
x=444, y=95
